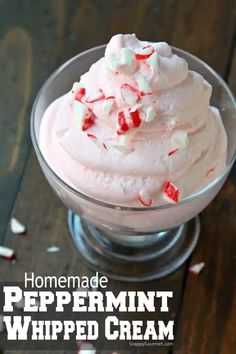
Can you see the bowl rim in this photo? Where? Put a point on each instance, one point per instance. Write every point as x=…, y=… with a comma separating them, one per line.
x=185, y=200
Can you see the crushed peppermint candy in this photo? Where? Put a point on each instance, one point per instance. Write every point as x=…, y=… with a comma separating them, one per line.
x=136, y=118
x=98, y=143
x=78, y=91
x=153, y=62
x=84, y=115
x=197, y=268
x=108, y=104
x=129, y=94
x=125, y=64
x=150, y=114
x=7, y=253
x=179, y=139
x=143, y=85
x=172, y=152
x=17, y=227
x=144, y=53
x=127, y=120
x=145, y=199
x=122, y=145
x=171, y=193
x=123, y=125
x=95, y=96
x=53, y=249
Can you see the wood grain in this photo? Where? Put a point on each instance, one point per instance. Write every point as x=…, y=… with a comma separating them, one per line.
x=29, y=50
x=45, y=217
x=207, y=323
x=208, y=319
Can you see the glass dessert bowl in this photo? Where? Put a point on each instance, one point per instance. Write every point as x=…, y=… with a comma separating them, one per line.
x=133, y=243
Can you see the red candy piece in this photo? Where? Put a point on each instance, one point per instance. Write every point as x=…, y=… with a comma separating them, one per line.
x=7, y=253
x=80, y=93
x=96, y=96
x=91, y=136
x=122, y=123
x=171, y=192
x=172, y=152
x=87, y=123
x=130, y=94
x=137, y=121
x=145, y=53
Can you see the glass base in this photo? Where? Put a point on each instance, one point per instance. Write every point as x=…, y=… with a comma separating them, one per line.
x=130, y=257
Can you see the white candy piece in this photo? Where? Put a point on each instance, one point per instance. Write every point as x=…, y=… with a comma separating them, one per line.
x=197, y=268
x=113, y=63
x=125, y=65
x=122, y=145
x=17, y=227
x=130, y=97
x=150, y=114
x=95, y=96
x=87, y=348
x=143, y=85
x=153, y=61
x=53, y=249
x=128, y=63
x=179, y=139
x=76, y=86
x=80, y=111
x=108, y=105
x=2, y=324
x=135, y=107
x=123, y=149
x=6, y=252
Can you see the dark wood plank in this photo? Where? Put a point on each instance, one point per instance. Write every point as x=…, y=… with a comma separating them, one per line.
x=204, y=28
x=29, y=49
x=207, y=323
x=208, y=315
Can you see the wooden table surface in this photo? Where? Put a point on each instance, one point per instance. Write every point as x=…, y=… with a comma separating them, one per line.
x=35, y=38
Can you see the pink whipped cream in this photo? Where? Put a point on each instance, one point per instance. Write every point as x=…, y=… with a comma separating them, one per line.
x=137, y=129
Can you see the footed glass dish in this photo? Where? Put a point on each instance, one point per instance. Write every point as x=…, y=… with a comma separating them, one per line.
x=133, y=244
